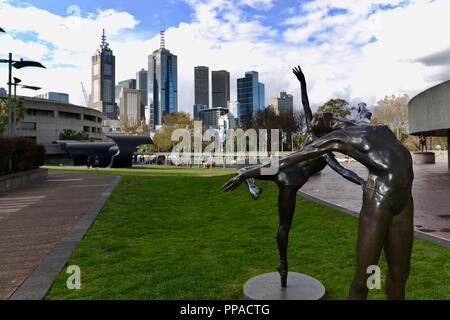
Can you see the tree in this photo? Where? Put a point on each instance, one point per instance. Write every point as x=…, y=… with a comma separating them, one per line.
x=69, y=134
x=338, y=107
x=172, y=121
x=4, y=112
x=393, y=112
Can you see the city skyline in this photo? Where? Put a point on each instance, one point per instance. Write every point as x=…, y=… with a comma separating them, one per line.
x=340, y=46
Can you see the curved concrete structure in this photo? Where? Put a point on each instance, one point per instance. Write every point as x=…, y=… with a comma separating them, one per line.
x=429, y=111
x=126, y=146
x=80, y=151
x=116, y=154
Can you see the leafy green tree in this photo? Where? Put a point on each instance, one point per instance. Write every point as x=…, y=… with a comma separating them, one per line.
x=172, y=121
x=69, y=134
x=338, y=107
x=4, y=112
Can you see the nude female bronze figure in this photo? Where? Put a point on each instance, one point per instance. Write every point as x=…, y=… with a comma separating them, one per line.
x=386, y=217
x=289, y=180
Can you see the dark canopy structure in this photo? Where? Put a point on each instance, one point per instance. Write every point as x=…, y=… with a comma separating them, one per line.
x=116, y=154
x=126, y=147
x=429, y=112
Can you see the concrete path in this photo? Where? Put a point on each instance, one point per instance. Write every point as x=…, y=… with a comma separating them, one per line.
x=431, y=191
x=35, y=219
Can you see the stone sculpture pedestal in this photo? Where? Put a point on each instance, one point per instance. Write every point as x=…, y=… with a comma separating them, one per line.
x=299, y=287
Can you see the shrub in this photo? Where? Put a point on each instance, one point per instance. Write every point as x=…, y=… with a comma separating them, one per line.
x=18, y=154
x=41, y=156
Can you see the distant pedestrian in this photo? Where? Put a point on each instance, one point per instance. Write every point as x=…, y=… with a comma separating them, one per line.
x=96, y=163
x=88, y=162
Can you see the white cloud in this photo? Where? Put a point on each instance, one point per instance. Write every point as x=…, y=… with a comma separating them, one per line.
x=258, y=4
x=339, y=63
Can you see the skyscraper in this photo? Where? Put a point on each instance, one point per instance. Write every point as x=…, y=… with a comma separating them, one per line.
x=201, y=80
x=142, y=86
x=251, y=95
x=103, y=80
x=220, y=88
x=162, y=84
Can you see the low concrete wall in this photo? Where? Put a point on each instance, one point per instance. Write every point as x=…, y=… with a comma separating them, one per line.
x=22, y=179
x=424, y=157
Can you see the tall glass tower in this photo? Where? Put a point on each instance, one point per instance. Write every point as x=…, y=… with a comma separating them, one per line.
x=251, y=95
x=103, y=80
x=162, y=84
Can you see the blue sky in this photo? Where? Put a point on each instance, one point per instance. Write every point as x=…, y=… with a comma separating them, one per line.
x=151, y=14
x=346, y=47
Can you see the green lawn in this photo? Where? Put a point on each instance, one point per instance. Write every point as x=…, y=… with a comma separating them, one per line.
x=149, y=170
x=180, y=237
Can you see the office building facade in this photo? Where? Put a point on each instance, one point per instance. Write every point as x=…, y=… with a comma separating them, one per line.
x=220, y=82
x=284, y=104
x=210, y=117
x=201, y=84
x=130, y=108
x=126, y=84
x=162, y=84
x=251, y=95
x=142, y=86
x=55, y=96
x=103, y=80
x=197, y=109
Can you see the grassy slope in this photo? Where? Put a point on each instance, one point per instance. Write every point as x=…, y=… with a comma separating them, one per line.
x=182, y=238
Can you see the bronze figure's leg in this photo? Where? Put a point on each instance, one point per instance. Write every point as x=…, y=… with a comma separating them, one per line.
x=287, y=197
x=397, y=248
x=374, y=221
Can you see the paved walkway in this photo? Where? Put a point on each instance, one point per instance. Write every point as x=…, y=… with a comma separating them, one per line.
x=33, y=220
x=431, y=191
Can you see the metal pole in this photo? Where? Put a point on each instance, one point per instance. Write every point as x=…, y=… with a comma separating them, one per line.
x=14, y=117
x=9, y=93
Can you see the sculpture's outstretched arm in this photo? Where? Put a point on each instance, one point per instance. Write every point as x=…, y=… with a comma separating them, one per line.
x=305, y=100
x=344, y=172
x=330, y=142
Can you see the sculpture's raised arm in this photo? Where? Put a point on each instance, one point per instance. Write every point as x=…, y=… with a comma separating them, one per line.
x=305, y=100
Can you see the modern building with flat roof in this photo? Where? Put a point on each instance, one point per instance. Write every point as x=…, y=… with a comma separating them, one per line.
x=220, y=82
x=126, y=84
x=130, y=108
x=251, y=95
x=44, y=120
x=142, y=86
x=56, y=96
x=201, y=86
x=210, y=117
x=284, y=104
x=429, y=112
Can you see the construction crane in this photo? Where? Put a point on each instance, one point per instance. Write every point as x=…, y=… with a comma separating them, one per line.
x=86, y=97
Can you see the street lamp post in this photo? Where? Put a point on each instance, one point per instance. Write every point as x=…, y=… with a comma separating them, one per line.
x=14, y=116
x=18, y=64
